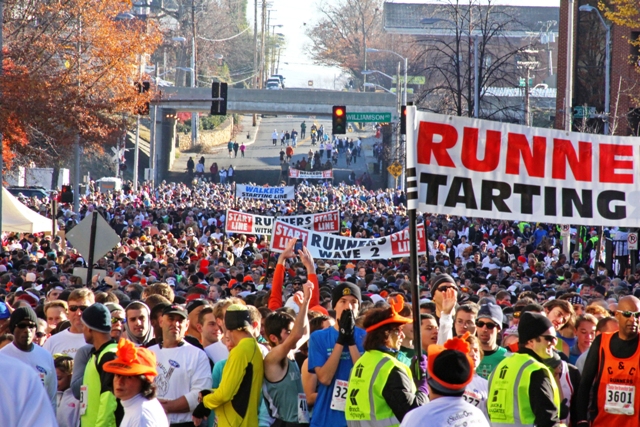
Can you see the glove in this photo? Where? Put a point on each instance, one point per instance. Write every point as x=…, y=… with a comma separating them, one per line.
x=347, y=327
x=564, y=409
x=201, y=411
x=419, y=370
x=204, y=392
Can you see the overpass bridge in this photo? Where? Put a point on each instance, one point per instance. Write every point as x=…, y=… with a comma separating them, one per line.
x=304, y=102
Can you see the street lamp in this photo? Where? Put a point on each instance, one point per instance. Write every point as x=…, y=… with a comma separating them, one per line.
x=607, y=63
x=373, y=50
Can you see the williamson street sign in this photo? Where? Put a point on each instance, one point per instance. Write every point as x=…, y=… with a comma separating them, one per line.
x=369, y=117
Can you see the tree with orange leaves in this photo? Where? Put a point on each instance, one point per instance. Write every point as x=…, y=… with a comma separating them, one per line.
x=69, y=69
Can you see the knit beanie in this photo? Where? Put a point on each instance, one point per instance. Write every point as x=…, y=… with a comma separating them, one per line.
x=344, y=289
x=439, y=280
x=532, y=325
x=449, y=366
x=237, y=317
x=20, y=314
x=97, y=317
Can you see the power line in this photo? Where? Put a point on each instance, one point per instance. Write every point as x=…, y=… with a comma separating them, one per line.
x=228, y=38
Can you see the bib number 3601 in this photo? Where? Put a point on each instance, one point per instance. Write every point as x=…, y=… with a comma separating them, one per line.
x=339, y=396
x=620, y=399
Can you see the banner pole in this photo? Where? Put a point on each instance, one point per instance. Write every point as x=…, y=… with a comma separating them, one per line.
x=411, y=186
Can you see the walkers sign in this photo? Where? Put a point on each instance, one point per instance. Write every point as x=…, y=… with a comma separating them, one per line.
x=369, y=117
x=478, y=168
x=269, y=193
x=239, y=222
x=330, y=246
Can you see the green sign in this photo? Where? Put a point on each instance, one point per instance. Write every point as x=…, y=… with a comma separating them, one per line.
x=369, y=117
x=580, y=112
x=412, y=80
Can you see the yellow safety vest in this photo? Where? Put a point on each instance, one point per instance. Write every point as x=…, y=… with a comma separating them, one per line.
x=508, y=401
x=365, y=405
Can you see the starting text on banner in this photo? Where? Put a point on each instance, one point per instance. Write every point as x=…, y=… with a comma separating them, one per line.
x=269, y=193
x=331, y=246
x=239, y=222
x=297, y=173
x=479, y=168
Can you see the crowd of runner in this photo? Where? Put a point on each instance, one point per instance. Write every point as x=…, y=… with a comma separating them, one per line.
x=186, y=325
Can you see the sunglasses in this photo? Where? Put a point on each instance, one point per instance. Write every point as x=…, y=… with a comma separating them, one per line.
x=41, y=334
x=628, y=314
x=26, y=325
x=550, y=338
x=491, y=326
x=115, y=320
x=74, y=308
x=446, y=288
x=517, y=314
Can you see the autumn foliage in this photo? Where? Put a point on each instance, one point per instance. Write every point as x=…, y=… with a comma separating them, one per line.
x=69, y=69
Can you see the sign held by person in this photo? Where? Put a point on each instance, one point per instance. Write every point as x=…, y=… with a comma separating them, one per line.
x=331, y=246
x=244, y=191
x=239, y=222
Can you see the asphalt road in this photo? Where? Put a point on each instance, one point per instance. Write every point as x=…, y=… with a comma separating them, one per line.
x=261, y=164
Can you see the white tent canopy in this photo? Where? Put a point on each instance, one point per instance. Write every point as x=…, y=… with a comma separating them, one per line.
x=19, y=218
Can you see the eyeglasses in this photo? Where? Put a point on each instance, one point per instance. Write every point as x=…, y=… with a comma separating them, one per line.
x=115, y=320
x=74, y=308
x=550, y=338
x=628, y=314
x=446, y=288
x=26, y=325
x=489, y=325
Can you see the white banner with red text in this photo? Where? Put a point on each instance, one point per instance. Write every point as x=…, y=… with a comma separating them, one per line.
x=479, y=168
x=266, y=193
x=239, y=222
x=297, y=173
x=331, y=246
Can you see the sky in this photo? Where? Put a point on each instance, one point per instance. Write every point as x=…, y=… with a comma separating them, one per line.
x=296, y=16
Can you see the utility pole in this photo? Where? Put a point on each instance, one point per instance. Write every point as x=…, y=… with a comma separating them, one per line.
x=194, y=115
x=262, y=47
x=528, y=66
x=568, y=91
x=254, y=80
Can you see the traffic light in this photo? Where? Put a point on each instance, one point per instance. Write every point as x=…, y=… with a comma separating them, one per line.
x=219, y=90
x=66, y=195
x=142, y=87
x=403, y=120
x=339, y=120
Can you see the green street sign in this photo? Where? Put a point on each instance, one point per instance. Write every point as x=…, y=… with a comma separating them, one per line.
x=369, y=117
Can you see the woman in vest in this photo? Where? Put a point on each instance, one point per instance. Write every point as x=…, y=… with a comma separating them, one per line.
x=379, y=378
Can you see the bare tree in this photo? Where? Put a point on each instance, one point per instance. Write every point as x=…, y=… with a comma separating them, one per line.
x=343, y=33
x=449, y=57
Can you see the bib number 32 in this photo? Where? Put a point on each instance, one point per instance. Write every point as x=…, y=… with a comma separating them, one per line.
x=339, y=396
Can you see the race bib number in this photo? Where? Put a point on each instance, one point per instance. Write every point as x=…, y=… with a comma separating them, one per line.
x=620, y=399
x=303, y=410
x=339, y=396
x=83, y=399
x=471, y=397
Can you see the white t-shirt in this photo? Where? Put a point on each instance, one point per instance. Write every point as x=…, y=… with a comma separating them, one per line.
x=65, y=342
x=476, y=393
x=141, y=412
x=446, y=411
x=24, y=400
x=68, y=413
x=182, y=371
x=42, y=363
x=217, y=351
